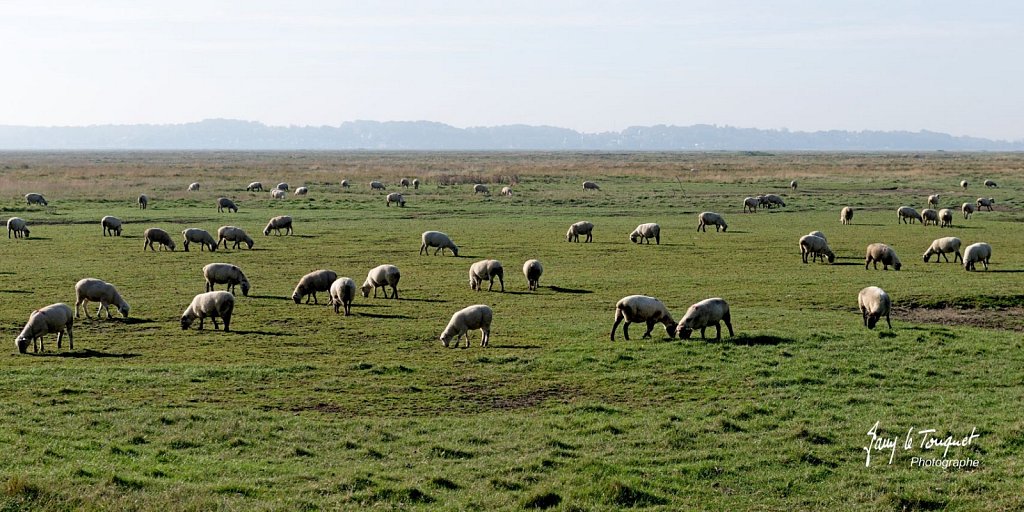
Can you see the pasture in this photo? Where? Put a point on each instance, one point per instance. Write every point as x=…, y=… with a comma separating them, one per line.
x=301, y=409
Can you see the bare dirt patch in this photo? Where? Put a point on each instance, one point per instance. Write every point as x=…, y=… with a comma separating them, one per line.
x=1011, y=319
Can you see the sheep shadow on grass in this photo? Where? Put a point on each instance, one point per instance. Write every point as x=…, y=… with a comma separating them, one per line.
x=79, y=354
x=751, y=340
x=380, y=315
x=559, y=289
x=1007, y=271
x=262, y=333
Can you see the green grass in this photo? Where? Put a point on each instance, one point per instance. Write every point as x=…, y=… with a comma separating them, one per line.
x=300, y=408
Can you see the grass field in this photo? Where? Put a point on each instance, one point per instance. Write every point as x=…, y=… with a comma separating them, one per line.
x=302, y=409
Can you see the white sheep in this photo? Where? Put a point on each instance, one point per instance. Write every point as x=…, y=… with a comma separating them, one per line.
x=198, y=236
x=905, y=212
x=143, y=201
x=480, y=188
x=846, y=215
x=395, y=197
x=711, y=218
x=942, y=246
x=301, y=191
x=277, y=224
x=967, y=209
x=486, y=270
x=111, y=225
x=277, y=194
x=254, y=187
x=933, y=200
x=34, y=198
x=416, y=183
x=468, y=319
x=18, y=226
x=645, y=232
x=818, y=234
x=977, y=252
x=55, y=318
x=991, y=184
x=792, y=184
x=343, y=291
x=345, y=184
x=882, y=253
x=282, y=186
x=590, y=185
x=704, y=314
x=234, y=234
x=224, y=203
x=382, y=276
x=506, y=191
x=985, y=202
x=641, y=308
x=376, y=185
x=963, y=184
x=313, y=282
x=929, y=215
x=440, y=241
x=156, y=236
x=946, y=218
x=210, y=305
x=750, y=204
x=225, y=273
x=404, y=183
x=95, y=290
x=816, y=247
x=580, y=228
x=774, y=200
x=193, y=186
x=532, y=269
x=874, y=303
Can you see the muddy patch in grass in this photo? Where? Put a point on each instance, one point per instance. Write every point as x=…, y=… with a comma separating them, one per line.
x=1011, y=319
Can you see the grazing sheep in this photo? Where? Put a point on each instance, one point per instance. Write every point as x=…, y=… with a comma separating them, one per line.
x=382, y=276
x=345, y=184
x=18, y=226
x=580, y=228
x=977, y=252
x=815, y=246
x=763, y=202
x=704, y=314
x=818, y=234
x=774, y=200
x=376, y=185
x=846, y=215
x=34, y=198
x=480, y=188
x=315, y=281
x=395, y=197
x=946, y=218
x=882, y=253
x=225, y=273
x=941, y=246
x=111, y=225
x=439, y=240
x=590, y=185
x=95, y=290
x=468, y=319
x=301, y=191
x=209, y=305
x=277, y=194
x=984, y=202
x=991, y=184
x=155, y=236
x=874, y=303
x=532, y=269
x=905, y=212
x=143, y=201
x=224, y=203
x=282, y=186
x=193, y=187
x=929, y=215
x=55, y=318
x=234, y=234
x=963, y=184
x=792, y=184
x=254, y=187
x=933, y=200
x=645, y=232
x=277, y=224
x=486, y=270
x=343, y=291
x=641, y=308
x=968, y=209
x=416, y=183
x=506, y=191
x=707, y=218
x=750, y=204
x=199, y=236
x=404, y=183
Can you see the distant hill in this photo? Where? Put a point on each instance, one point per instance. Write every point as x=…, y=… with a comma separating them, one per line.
x=229, y=134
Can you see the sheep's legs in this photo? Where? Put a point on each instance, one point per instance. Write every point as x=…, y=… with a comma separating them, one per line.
x=650, y=327
x=728, y=323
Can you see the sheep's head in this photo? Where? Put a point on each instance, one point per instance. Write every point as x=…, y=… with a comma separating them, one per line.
x=446, y=336
x=455, y=249
x=684, y=331
x=186, y=322
x=724, y=226
x=245, y=288
x=873, y=320
x=670, y=328
x=266, y=231
x=248, y=241
x=26, y=231
x=22, y=343
x=170, y=244
x=897, y=265
x=634, y=236
x=295, y=296
x=366, y=289
x=831, y=256
x=123, y=309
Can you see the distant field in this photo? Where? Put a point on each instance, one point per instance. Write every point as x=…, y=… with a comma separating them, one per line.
x=302, y=409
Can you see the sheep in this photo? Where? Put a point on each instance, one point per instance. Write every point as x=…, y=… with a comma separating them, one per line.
x=111, y=225
x=506, y=191
x=846, y=215
x=750, y=204
x=874, y=303
x=34, y=198
x=55, y=318
x=199, y=236
x=95, y=290
x=963, y=184
x=209, y=305
x=18, y=226
x=946, y=218
x=143, y=201
x=532, y=269
x=315, y=281
x=977, y=252
x=704, y=314
x=706, y=218
x=382, y=276
x=933, y=200
x=439, y=240
x=376, y=185
x=882, y=253
x=282, y=186
x=967, y=209
x=984, y=202
x=343, y=290
x=155, y=236
x=792, y=184
x=467, y=319
x=416, y=183
x=641, y=308
x=225, y=273
x=277, y=194
x=301, y=191
x=590, y=185
x=234, y=234
x=345, y=184
x=774, y=200
x=404, y=183
x=818, y=234
x=941, y=246
x=580, y=228
x=763, y=202
x=224, y=203
x=395, y=197
x=277, y=224
x=254, y=187
x=645, y=232
x=991, y=184
x=480, y=188
x=929, y=215
x=486, y=270
x=193, y=186
x=905, y=212
x=815, y=246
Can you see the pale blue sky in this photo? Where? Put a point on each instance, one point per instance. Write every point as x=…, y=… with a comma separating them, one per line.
x=591, y=65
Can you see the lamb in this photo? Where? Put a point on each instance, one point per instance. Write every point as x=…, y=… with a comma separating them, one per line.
x=34, y=198
x=532, y=269
x=774, y=200
x=193, y=186
x=315, y=281
x=704, y=314
x=395, y=197
x=506, y=191
x=707, y=218
x=985, y=203
x=282, y=186
x=404, y=183
x=991, y=184
x=967, y=209
x=277, y=224
x=933, y=200
x=929, y=215
x=55, y=318
x=301, y=191
x=846, y=215
x=977, y=252
x=645, y=232
x=641, y=308
x=580, y=228
x=439, y=240
x=234, y=234
x=155, y=236
x=750, y=204
x=376, y=185
x=416, y=183
x=381, y=277
x=590, y=185
x=95, y=290
x=225, y=273
x=792, y=184
x=815, y=246
x=486, y=270
x=224, y=203
x=143, y=201
x=343, y=290
x=254, y=187
x=480, y=188
x=199, y=236
x=946, y=218
x=874, y=303
x=963, y=184
x=465, y=320
x=941, y=246
x=209, y=305
x=905, y=212
x=111, y=225
x=277, y=194
x=345, y=184
x=882, y=253
x=18, y=226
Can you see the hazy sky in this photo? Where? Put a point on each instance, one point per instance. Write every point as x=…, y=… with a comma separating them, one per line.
x=591, y=65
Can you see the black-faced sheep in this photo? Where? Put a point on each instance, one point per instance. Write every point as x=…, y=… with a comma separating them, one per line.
x=224, y=203
x=55, y=318
x=774, y=200
x=225, y=273
x=942, y=246
x=486, y=270
x=874, y=303
x=506, y=191
x=394, y=197
x=254, y=187
x=641, y=308
x=313, y=282
x=985, y=202
x=711, y=218
x=234, y=234
x=301, y=191
x=882, y=253
x=590, y=185
x=929, y=215
x=468, y=319
x=277, y=224
x=343, y=291
x=704, y=314
x=963, y=184
x=18, y=227
x=480, y=188
x=193, y=187
x=792, y=184
x=532, y=269
x=816, y=247
x=416, y=184
x=818, y=234
x=198, y=236
x=440, y=241
x=946, y=218
x=905, y=212
x=143, y=201
x=967, y=209
x=846, y=215
x=156, y=236
x=404, y=183
x=977, y=252
x=210, y=305
x=933, y=200
x=282, y=186
x=345, y=184
x=111, y=225
x=34, y=198
x=376, y=185
x=382, y=276
x=645, y=232
x=95, y=290
x=991, y=184
x=750, y=204
x=580, y=228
